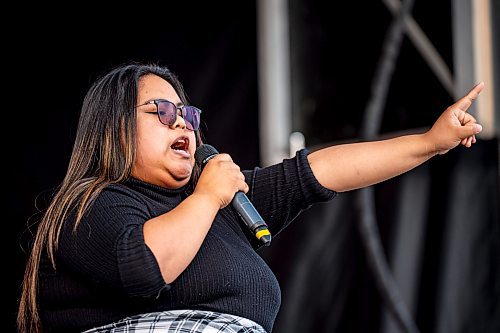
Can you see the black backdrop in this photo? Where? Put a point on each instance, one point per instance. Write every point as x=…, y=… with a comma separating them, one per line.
x=319, y=261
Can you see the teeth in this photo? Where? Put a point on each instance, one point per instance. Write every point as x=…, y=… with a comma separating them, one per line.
x=180, y=144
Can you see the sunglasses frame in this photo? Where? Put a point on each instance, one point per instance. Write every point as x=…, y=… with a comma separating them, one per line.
x=184, y=110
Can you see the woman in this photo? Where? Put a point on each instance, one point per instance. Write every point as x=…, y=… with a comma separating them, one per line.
x=137, y=232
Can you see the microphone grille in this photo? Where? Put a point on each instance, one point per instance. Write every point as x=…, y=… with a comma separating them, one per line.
x=203, y=153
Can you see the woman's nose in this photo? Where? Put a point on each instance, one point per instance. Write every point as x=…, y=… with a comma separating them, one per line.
x=179, y=121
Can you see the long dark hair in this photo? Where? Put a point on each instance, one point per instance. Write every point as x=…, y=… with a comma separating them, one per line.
x=103, y=153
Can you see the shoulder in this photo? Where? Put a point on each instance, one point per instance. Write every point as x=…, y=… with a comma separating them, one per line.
x=119, y=198
x=120, y=191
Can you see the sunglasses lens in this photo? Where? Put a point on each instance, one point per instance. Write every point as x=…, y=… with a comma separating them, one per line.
x=167, y=112
x=191, y=116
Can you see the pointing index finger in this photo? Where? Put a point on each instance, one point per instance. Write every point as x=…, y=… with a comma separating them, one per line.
x=465, y=102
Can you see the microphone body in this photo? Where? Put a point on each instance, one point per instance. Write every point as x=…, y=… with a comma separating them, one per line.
x=251, y=217
x=240, y=202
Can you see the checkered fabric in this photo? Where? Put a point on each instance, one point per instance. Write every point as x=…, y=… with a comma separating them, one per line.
x=181, y=321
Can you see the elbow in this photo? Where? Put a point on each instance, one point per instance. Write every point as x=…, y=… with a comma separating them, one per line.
x=170, y=271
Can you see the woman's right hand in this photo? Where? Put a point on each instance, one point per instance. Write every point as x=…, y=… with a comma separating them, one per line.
x=220, y=180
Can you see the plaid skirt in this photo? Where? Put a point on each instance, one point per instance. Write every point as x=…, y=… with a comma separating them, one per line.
x=181, y=321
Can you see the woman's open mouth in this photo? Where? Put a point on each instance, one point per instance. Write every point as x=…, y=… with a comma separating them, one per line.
x=181, y=146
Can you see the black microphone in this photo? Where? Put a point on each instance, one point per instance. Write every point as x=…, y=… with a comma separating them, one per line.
x=240, y=202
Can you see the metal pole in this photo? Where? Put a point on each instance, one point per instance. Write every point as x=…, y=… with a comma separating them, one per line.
x=473, y=58
x=274, y=80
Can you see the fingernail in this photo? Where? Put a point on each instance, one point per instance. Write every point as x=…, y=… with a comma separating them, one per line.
x=478, y=128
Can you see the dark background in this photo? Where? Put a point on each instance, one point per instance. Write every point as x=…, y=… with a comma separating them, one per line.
x=213, y=49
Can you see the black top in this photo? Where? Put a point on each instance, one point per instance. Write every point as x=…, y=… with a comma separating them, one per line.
x=105, y=271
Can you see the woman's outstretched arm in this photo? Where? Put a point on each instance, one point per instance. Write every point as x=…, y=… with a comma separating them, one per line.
x=356, y=165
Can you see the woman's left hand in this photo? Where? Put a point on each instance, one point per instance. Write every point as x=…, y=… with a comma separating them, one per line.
x=455, y=126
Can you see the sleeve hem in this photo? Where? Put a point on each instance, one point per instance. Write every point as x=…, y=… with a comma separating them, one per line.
x=313, y=191
x=137, y=265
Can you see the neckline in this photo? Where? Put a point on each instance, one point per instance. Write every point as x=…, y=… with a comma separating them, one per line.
x=152, y=188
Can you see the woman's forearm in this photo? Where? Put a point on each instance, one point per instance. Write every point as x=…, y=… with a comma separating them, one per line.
x=355, y=165
x=176, y=236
